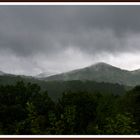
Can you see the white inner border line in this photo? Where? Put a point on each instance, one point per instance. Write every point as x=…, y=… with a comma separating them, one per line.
x=69, y=3
x=69, y=136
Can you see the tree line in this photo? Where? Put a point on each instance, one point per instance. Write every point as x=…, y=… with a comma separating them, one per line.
x=27, y=110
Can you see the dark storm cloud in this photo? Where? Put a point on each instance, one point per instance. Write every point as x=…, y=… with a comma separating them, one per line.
x=31, y=29
x=58, y=34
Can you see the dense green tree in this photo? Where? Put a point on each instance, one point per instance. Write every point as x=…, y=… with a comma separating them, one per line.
x=27, y=109
x=79, y=109
x=131, y=104
x=121, y=124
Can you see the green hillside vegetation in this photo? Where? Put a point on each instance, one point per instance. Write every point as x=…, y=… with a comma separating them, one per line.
x=34, y=106
x=56, y=88
x=26, y=109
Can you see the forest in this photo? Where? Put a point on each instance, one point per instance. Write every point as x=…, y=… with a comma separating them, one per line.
x=26, y=109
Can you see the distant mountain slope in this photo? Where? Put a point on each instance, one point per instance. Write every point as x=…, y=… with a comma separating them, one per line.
x=2, y=73
x=57, y=88
x=44, y=74
x=136, y=72
x=100, y=72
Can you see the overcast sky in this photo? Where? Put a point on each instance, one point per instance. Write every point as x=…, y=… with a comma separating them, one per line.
x=54, y=39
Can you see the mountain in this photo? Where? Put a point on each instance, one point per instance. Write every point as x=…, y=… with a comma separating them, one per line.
x=2, y=73
x=136, y=72
x=44, y=74
x=100, y=72
x=55, y=89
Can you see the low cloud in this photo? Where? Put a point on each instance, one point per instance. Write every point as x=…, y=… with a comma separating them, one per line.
x=36, y=39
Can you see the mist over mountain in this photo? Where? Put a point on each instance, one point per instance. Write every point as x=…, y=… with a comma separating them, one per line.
x=100, y=72
x=44, y=74
x=2, y=73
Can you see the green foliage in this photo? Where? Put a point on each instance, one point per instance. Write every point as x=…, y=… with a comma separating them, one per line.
x=26, y=109
x=132, y=105
x=121, y=124
x=24, y=105
x=75, y=106
x=56, y=88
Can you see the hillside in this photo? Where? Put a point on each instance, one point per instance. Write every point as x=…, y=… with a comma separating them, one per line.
x=56, y=88
x=2, y=73
x=100, y=72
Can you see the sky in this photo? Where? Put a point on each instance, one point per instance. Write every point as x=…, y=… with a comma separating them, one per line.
x=60, y=38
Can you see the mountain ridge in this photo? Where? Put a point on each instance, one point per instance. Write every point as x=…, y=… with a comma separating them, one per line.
x=2, y=73
x=101, y=64
x=99, y=72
